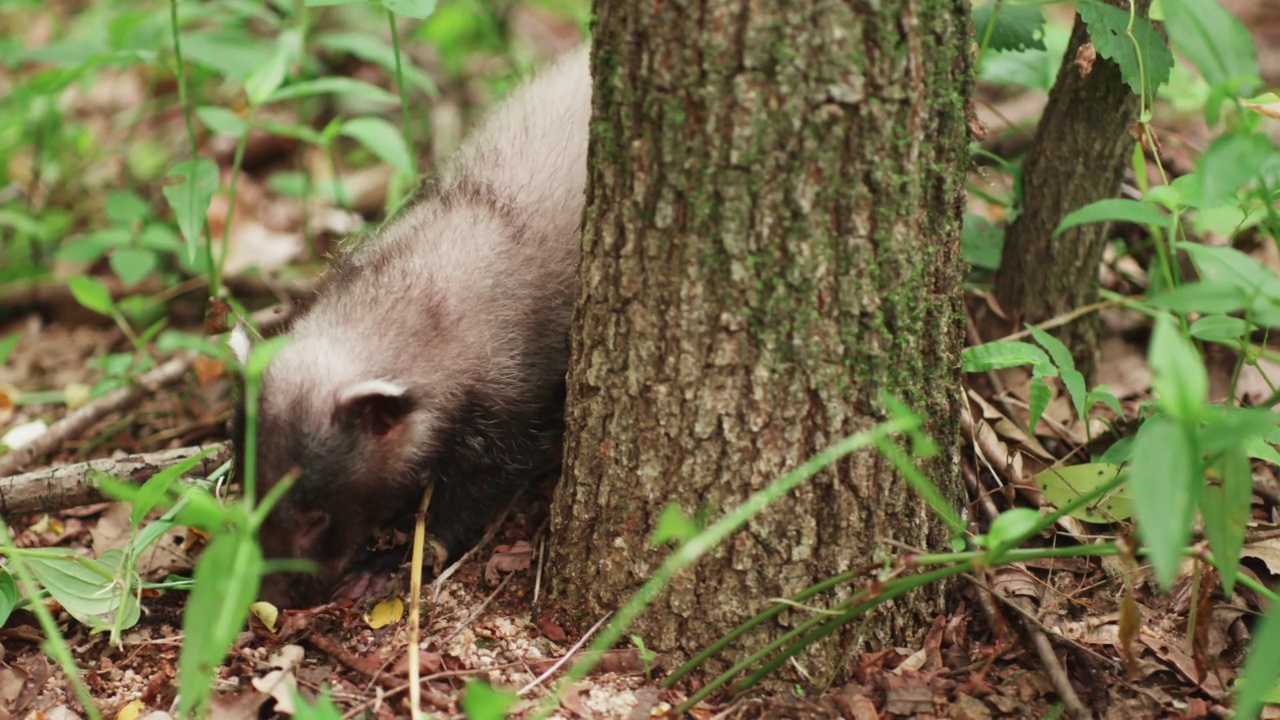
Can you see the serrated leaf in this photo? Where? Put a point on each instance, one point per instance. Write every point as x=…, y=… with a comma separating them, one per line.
x=221, y=121
x=1178, y=376
x=1262, y=667
x=332, y=86
x=1213, y=39
x=1109, y=29
x=189, y=198
x=1225, y=507
x=131, y=265
x=417, y=9
x=1113, y=209
x=1063, y=485
x=91, y=293
x=1006, y=354
x=1229, y=163
x=382, y=139
x=1163, y=479
x=1017, y=27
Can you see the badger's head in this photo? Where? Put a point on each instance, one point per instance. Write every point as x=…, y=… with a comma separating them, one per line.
x=352, y=448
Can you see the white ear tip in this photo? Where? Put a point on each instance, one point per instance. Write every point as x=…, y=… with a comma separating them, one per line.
x=367, y=388
x=240, y=344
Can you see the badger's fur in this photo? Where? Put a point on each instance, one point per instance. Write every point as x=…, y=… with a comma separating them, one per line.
x=438, y=350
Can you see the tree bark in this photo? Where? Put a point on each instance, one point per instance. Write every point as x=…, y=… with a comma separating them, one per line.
x=1079, y=156
x=771, y=243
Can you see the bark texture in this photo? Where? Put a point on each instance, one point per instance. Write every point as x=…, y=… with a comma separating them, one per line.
x=1079, y=156
x=771, y=243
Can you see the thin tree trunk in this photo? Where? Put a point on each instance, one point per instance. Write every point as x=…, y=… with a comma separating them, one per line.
x=1079, y=156
x=770, y=246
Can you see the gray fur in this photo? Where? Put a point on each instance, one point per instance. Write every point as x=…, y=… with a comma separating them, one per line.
x=439, y=348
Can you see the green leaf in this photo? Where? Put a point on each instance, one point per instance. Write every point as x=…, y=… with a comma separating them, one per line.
x=1004, y=354
x=1219, y=328
x=483, y=702
x=190, y=197
x=267, y=78
x=88, y=589
x=1109, y=29
x=123, y=207
x=1262, y=667
x=1113, y=209
x=332, y=86
x=981, y=243
x=1163, y=479
x=221, y=121
x=1225, y=507
x=131, y=265
x=7, y=344
x=1010, y=525
x=9, y=596
x=226, y=582
x=417, y=9
x=1178, y=376
x=1038, y=401
x=674, y=525
x=382, y=139
x=91, y=293
x=225, y=49
x=1206, y=296
x=1063, y=485
x=373, y=49
x=1066, y=367
x=90, y=247
x=1217, y=43
x=1229, y=163
x=1228, y=265
x=1257, y=447
x=1017, y=27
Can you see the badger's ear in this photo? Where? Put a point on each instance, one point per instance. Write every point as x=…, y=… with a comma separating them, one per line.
x=378, y=406
x=240, y=343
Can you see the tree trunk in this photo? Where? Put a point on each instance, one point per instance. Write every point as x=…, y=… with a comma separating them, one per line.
x=1042, y=276
x=771, y=243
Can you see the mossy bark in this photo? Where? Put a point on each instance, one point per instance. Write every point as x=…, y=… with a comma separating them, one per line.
x=1082, y=147
x=771, y=244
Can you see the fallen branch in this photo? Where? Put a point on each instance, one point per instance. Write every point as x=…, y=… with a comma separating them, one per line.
x=68, y=486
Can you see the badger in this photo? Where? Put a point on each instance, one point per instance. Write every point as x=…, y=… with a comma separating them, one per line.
x=436, y=352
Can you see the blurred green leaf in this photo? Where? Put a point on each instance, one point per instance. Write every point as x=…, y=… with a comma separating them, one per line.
x=91, y=293
x=383, y=140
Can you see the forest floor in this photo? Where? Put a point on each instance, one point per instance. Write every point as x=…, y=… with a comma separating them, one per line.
x=1012, y=643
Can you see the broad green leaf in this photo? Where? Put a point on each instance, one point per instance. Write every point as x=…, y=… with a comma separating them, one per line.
x=267, y=78
x=125, y=207
x=376, y=50
x=1261, y=670
x=1229, y=163
x=1109, y=29
x=382, y=139
x=1178, y=376
x=332, y=86
x=1113, y=209
x=1066, y=367
x=7, y=344
x=221, y=120
x=1011, y=525
x=190, y=197
x=8, y=595
x=225, y=49
x=1226, y=426
x=131, y=265
x=226, y=582
x=1063, y=485
x=88, y=589
x=90, y=247
x=417, y=9
x=1219, y=328
x=91, y=293
x=1163, y=480
x=1217, y=43
x=1017, y=27
x=483, y=702
x=1225, y=507
x=1004, y=354
x=1100, y=395
x=1257, y=447
x=1206, y=296
x=981, y=243
x=1232, y=266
